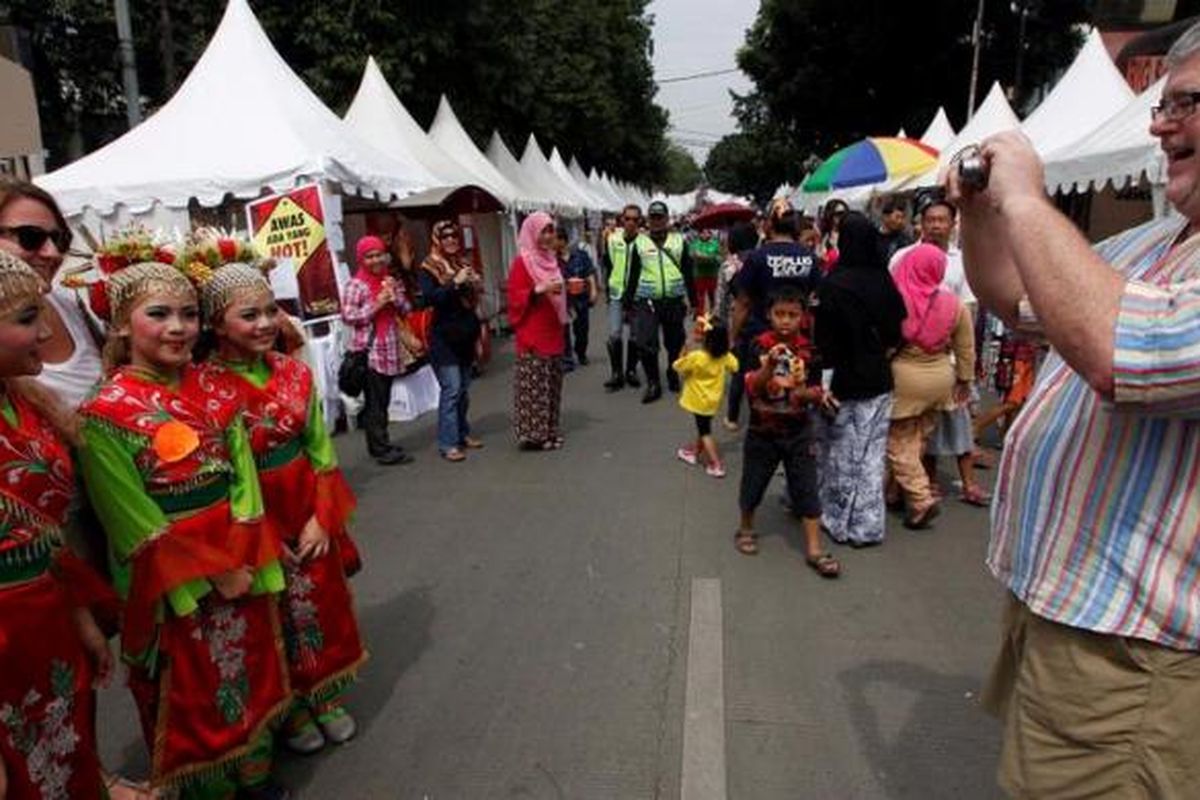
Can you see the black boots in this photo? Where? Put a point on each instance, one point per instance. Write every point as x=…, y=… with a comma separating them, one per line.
x=653, y=385
x=631, y=360
x=616, y=358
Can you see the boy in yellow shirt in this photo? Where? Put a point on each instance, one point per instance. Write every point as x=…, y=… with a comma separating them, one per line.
x=704, y=372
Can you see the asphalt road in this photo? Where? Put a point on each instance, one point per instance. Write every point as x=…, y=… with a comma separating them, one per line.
x=530, y=619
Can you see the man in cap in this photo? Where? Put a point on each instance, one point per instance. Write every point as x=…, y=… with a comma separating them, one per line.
x=660, y=285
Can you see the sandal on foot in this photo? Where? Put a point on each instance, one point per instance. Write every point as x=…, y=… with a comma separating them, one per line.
x=825, y=565
x=976, y=497
x=121, y=788
x=455, y=455
x=746, y=542
x=731, y=425
x=471, y=443
x=923, y=520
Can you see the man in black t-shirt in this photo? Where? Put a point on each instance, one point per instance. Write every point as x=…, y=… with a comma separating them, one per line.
x=780, y=261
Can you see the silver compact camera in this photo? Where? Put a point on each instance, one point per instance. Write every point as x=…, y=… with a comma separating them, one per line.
x=973, y=171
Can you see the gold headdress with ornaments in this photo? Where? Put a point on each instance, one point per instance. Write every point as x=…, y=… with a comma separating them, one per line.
x=220, y=265
x=129, y=264
x=18, y=283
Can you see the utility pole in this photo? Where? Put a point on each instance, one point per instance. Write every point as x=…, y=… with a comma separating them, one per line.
x=133, y=103
x=1019, y=78
x=977, y=41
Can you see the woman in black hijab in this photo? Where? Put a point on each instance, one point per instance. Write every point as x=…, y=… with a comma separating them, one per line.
x=857, y=329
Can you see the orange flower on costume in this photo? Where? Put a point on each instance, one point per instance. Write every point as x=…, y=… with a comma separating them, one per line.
x=175, y=441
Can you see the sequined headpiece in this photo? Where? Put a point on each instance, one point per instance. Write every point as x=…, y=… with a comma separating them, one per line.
x=110, y=290
x=18, y=283
x=125, y=287
x=220, y=265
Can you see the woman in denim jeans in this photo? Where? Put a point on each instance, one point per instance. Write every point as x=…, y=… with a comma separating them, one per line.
x=451, y=288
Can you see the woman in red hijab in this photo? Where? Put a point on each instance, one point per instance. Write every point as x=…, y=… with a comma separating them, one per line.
x=537, y=311
x=372, y=306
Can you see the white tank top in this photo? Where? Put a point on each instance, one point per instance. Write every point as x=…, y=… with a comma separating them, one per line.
x=74, y=378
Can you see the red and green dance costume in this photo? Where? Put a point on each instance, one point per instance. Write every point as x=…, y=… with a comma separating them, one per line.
x=47, y=733
x=298, y=470
x=171, y=476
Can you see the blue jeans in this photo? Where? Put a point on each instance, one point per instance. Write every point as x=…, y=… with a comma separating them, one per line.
x=453, y=402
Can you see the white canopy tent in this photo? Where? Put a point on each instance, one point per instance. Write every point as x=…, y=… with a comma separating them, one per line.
x=448, y=133
x=605, y=190
x=241, y=123
x=1118, y=152
x=534, y=161
x=587, y=200
x=581, y=179
x=993, y=116
x=508, y=165
x=1088, y=94
x=378, y=116
x=940, y=132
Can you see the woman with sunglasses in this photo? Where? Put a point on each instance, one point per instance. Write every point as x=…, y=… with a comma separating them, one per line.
x=451, y=287
x=33, y=229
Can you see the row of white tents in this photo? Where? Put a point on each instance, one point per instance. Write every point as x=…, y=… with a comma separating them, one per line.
x=1091, y=131
x=243, y=123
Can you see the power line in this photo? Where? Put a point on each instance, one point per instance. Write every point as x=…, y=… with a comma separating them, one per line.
x=698, y=75
x=694, y=132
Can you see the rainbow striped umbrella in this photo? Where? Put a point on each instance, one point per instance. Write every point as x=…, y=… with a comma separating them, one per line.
x=873, y=160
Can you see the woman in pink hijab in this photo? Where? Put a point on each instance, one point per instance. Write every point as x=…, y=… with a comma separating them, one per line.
x=537, y=311
x=932, y=371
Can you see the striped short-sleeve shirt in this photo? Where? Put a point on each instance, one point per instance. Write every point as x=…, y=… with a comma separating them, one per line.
x=1096, y=518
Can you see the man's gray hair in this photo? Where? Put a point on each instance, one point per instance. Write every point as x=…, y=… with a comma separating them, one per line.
x=1185, y=47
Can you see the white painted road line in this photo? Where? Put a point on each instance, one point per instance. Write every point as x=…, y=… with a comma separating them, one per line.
x=703, y=772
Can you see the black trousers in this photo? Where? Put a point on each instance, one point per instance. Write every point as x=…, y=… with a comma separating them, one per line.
x=651, y=316
x=579, y=326
x=377, y=396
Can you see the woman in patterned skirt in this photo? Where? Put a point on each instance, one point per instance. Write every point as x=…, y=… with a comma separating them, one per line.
x=304, y=493
x=51, y=650
x=169, y=470
x=858, y=320
x=537, y=311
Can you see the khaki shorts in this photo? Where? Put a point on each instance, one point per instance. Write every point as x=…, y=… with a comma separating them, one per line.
x=1089, y=715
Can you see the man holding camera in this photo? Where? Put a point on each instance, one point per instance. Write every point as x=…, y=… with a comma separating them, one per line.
x=1096, y=521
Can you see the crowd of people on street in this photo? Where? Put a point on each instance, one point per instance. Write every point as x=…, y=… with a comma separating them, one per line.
x=167, y=474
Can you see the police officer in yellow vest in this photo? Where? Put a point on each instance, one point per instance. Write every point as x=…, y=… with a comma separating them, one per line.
x=658, y=288
x=622, y=354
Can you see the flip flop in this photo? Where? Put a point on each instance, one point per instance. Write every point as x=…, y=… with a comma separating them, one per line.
x=825, y=565
x=746, y=542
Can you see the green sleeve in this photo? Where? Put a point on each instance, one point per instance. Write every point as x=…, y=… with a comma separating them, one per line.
x=245, y=494
x=316, y=440
x=246, y=502
x=129, y=516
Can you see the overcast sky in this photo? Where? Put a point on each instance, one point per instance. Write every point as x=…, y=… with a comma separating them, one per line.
x=693, y=36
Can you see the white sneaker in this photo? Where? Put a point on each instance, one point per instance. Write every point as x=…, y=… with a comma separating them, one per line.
x=307, y=741
x=715, y=470
x=340, y=728
x=687, y=455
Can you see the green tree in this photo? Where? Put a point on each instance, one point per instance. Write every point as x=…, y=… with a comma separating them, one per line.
x=752, y=164
x=824, y=77
x=683, y=173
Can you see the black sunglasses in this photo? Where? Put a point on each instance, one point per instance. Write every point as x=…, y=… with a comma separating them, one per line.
x=31, y=237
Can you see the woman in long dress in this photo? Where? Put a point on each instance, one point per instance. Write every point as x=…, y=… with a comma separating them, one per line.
x=537, y=311
x=52, y=651
x=858, y=320
x=305, y=495
x=170, y=472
